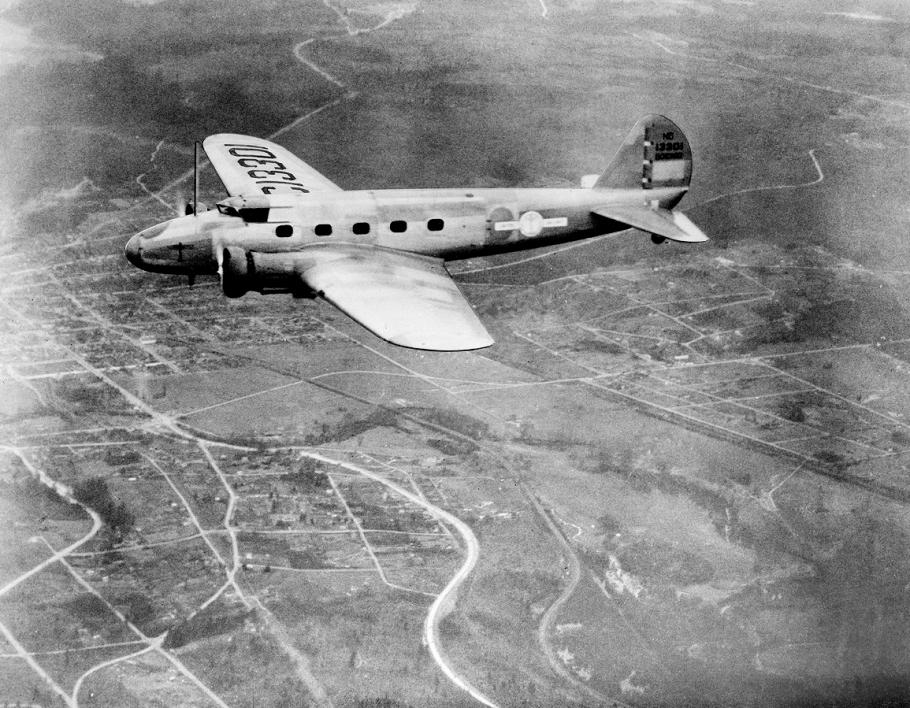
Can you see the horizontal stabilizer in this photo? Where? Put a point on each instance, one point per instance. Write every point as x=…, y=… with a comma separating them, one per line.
x=673, y=225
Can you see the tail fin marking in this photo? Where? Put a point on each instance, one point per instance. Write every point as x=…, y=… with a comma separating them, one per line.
x=655, y=154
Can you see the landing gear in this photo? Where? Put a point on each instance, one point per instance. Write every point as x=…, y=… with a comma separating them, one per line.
x=657, y=240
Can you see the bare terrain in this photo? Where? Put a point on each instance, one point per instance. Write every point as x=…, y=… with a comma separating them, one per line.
x=679, y=477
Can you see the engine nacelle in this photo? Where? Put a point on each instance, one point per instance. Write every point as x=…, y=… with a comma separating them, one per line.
x=238, y=272
x=245, y=271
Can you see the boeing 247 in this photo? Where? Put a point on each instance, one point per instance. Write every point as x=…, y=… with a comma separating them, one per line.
x=379, y=255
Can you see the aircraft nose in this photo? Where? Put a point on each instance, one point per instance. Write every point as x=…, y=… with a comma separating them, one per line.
x=134, y=250
x=133, y=247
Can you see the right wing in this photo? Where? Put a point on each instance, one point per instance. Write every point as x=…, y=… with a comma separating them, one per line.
x=673, y=225
x=249, y=166
x=406, y=299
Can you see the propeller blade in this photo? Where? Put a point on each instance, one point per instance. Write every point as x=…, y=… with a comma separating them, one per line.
x=180, y=203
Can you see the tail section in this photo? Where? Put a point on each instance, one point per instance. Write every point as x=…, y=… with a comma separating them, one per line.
x=654, y=155
x=656, y=158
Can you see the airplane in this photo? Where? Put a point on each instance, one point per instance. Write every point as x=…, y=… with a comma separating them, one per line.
x=379, y=255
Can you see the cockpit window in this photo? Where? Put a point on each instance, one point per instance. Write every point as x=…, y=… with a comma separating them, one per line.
x=256, y=215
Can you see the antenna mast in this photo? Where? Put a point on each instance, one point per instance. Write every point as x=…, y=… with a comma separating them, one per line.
x=195, y=177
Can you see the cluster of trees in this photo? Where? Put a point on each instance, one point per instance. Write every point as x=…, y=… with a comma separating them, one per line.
x=93, y=492
x=455, y=421
x=307, y=478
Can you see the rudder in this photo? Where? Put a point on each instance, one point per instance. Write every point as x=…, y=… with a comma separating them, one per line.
x=655, y=154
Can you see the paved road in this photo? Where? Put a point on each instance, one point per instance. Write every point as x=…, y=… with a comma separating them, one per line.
x=445, y=601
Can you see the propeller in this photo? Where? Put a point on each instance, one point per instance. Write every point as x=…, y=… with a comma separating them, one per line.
x=181, y=204
x=184, y=206
x=200, y=207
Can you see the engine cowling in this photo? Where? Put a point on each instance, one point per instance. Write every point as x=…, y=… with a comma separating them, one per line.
x=238, y=272
x=245, y=271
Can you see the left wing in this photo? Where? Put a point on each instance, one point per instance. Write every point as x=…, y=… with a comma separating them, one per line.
x=406, y=299
x=249, y=166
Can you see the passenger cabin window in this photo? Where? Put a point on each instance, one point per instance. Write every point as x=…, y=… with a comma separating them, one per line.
x=398, y=227
x=361, y=228
x=284, y=230
x=435, y=224
x=323, y=230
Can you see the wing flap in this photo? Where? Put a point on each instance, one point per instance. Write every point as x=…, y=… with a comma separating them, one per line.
x=408, y=300
x=249, y=166
x=673, y=225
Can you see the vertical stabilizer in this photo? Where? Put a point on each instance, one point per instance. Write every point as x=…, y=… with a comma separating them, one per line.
x=655, y=154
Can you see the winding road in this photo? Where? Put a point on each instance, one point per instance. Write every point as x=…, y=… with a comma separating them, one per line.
x=445, y=601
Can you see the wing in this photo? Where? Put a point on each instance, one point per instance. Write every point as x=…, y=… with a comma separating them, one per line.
x=406, y=299
x=673, y=225
x=249, y=166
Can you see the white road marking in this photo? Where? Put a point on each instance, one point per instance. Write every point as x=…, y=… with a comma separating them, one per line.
x=67, y=494
x=298, y=48
x=155, y=645
x=34, y=665
x=366, y=543
x=817, y=180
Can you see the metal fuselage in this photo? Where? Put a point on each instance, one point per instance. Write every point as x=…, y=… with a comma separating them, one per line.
x=441, y=223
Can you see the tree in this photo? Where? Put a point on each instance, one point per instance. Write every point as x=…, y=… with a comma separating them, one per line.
x=94, y=493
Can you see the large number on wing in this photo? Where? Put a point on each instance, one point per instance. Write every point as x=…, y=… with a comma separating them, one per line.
x=249, y=166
